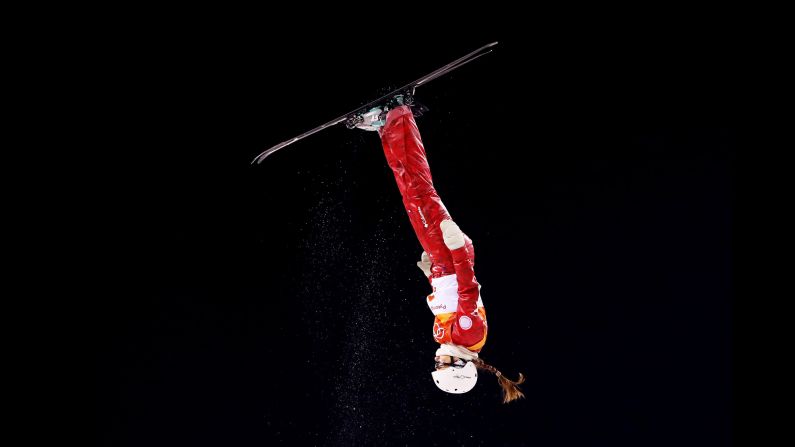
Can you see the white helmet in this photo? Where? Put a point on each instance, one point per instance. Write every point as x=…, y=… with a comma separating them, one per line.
x=456, y=379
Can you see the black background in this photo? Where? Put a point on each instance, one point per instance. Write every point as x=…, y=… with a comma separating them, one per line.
x=280, y=304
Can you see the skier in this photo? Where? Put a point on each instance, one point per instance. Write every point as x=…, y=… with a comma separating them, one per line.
x=448, y=258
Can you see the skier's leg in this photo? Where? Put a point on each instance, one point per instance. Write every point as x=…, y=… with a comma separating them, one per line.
x=405, y=155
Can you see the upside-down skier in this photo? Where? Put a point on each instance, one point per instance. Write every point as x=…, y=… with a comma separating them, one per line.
x=448, y=258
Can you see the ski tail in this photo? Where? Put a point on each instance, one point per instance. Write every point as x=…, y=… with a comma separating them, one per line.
x=317, y=129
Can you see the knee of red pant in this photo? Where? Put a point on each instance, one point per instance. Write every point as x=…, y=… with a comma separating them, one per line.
x=421, y=190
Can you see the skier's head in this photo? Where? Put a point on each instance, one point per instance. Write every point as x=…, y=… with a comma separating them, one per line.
x=457, y=375
x=454, y=375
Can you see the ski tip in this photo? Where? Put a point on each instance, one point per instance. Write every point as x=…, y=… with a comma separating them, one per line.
x=258, y=159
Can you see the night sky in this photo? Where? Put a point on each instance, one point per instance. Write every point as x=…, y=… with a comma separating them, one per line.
x=280, y=304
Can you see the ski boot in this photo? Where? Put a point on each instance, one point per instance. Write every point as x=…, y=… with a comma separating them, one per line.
x=376, y=117
x=406, y=98
x=372, y=120
x=403, y=99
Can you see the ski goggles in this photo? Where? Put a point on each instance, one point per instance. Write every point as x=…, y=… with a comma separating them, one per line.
x=458, y=363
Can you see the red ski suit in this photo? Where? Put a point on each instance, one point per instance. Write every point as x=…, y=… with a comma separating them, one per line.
x=460, y=316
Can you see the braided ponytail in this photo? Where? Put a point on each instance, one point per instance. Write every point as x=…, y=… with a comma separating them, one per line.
x=510, y=389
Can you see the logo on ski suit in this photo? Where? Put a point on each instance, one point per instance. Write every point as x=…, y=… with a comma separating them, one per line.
x=422, y=216
x=438, y=331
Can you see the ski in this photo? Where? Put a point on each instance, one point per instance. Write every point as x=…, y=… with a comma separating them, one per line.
x=408, y=89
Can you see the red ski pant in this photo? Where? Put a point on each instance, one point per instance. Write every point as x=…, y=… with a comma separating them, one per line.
x=405, y=155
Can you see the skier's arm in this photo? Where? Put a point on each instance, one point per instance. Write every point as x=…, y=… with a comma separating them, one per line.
x=469, y=326
x=468, y=287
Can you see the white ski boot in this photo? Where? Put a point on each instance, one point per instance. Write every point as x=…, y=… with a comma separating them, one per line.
x=372, y=120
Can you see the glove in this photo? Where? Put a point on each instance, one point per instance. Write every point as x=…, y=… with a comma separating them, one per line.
x=425, y=264
x=453, y=236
